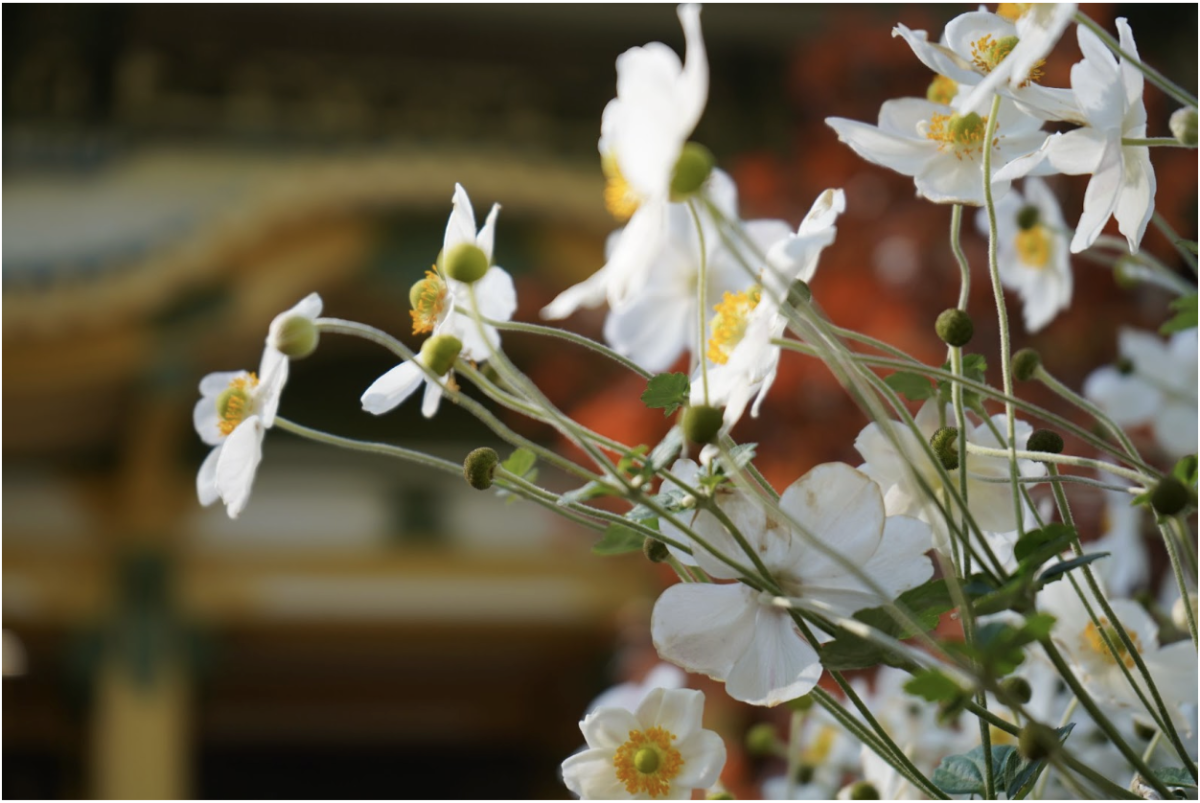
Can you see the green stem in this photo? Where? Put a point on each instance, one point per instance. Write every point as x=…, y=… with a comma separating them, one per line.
x=1061, y=459
x=1047, y=379
x=372, y=447
x=1176, y=241
x=1154, y=142
x=701, y=302
x=964, y=267
x=1156, y=78
x=1177, y=568
x=570, y=337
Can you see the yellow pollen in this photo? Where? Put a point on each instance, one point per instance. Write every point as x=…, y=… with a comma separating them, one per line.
x=818, y=750
x=234, y=403
x=963, y=133
x=1013, y=11
x=941, y=90
x=647, y=763
x=729, y=324
x=619, y=198
x=987, y=53
x=428, y=302
x=1096, y=642
x=1033, y=247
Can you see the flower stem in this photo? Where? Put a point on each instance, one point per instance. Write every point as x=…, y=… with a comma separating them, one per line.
x=570, y=337
x=1176, y=241
x=1062, y=459
x=701, y=301
x=1154, y=142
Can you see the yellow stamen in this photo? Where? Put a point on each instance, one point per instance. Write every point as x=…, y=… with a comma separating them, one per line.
x=818, y=750
x=429, y=300
x=1013, y=11
x=619, y=197
x=1033, y=247
x=647, y=763
x=1096, y=642
x=987, y=53
x=941, y=90
x=235, y=402
x=962, y=132
x=729, y=324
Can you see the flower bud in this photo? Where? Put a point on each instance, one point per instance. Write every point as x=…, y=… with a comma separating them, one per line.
x=296, y=336
x=1037, y=741
x=1028, y=217
x=802, y=703
x=945, y=445
x=761, y=740
x=1124, y=366
x=1183, y=126
x=1024, y=364
x=439, y=352
x=691, y=171
x=863, y=790
x=480, y=467
x=1169, y=497
x=799, y=293
x=654, y=550
x=467, y=263
x=1045, y=440
x=701, y=423
x=955, y=327
x=1017, y=688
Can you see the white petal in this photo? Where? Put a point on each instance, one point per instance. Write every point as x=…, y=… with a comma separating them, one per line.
x=486, y=238
x=240, y=456
x=214, y=384
x=433, y=396
x=651, y=330
x=205, y=419
x=1097, y=83
x=639, y=245
x=904, y=154
x=1131, y=76
x=590, y=775
x=206, y=479
x=392, y=388
x=496, y=295
x=676, y=710
x=693, y=86
x=703, y=627
x=1135, y=203
x=273, y=375
x=1128, y=399
x=838, y=505
x=938, y=58
x=1175, y=429
x=779, y=666
x=705, y=757
x=608, y=727
x=460, y=228
x=1100, y=199
x=949, y=180
x=590, y=292
x=309, y=307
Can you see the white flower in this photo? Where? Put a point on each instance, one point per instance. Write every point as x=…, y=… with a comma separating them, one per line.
x=437, y=356
x=1155, y=385
x=897, y=471
x=734, y=634
x=434, y=308
x=642, y=134
x=941, y=148
x=1033, y=259
x=275, y=361
x=1127, y=567
x=1122, y=184
x=988, y=53
x=744, y=361
x=826, y=753
x=658, y=751
x=1173, y=666
x=630, y=695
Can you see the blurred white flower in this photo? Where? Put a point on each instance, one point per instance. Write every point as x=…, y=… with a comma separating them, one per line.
x=630, y=695
x=735, y=634
x=1122, y=183
x=657, y=751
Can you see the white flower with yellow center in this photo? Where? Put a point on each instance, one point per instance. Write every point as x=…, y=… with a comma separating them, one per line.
x=1122, y=183
x=659, y=751
x=1173, y=666
x=1032, y=251
x=988, y=53
x=234, y=412
x=899, y=470
x=737, y=635
x=939, y=146
x=744, y=361
x=1154, y=383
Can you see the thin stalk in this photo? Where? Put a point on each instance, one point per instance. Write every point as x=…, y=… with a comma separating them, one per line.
x=1177, y=568
x=1154, y=142
x=1061, y=459
x=701, y=301
x=570, y=337
x=1047, y=379
x=1176, y=241
x=1158, y=79
x=372, y=447
x=964, y=267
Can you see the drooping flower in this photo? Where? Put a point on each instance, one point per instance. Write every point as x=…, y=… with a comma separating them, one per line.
x=437, y=357
x=1122, y=184
x=1032, y=251
x=941, y=147
x=658, y=751
x=899, y=471
x=1153, y=383
x=735, y=634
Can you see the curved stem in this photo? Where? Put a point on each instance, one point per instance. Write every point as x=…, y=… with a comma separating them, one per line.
x=1061, y=459
x=570, y=337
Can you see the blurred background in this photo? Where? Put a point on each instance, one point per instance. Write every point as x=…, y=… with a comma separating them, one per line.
x=174, y=176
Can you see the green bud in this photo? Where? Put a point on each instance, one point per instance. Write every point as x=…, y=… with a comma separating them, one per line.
x=480, y=467
x=761, y=740
x=1028, y=217
x=439, y=352
x=1144, y=730
x=805, y=773
x=646, y=760
x=691, y=171
x=466, y=263
x=1124, y=365
x=1127, y=272
x=799, y=293
x=863, y=790
x=1169, y=496
x=655, y=551
x=1025, y=363
x=1037, y=741
x=1045, y=440
x=802, y=703
x=701, y=423
x=1017, y=688
x=945, y=445
x=296, y=336
x=955, y=327
x=1183, y=126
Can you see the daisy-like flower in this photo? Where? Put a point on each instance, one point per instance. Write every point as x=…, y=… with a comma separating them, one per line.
x=1173, y=666
x=1153, y=383
x=988, y=53
x=743, y=359
x=1032, y=251
x=737, y=635
x=897, y=470
x=643, y=132
x=659, y=751
x=1122, y=184
x=939, y=146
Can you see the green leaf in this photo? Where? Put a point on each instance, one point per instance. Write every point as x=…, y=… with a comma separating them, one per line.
x=849, y=651
x=1057, y=571
x=933, y=686
x=1031, y=543
x=634, y=459
x=1021, y=777
x=1185, y=470
x=520, y=462
x=913, y=387
x=742, y=454
x=668, y=391
x=1184, y=308
x=618, y=540
x=1175, y=776
x=962, y=774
